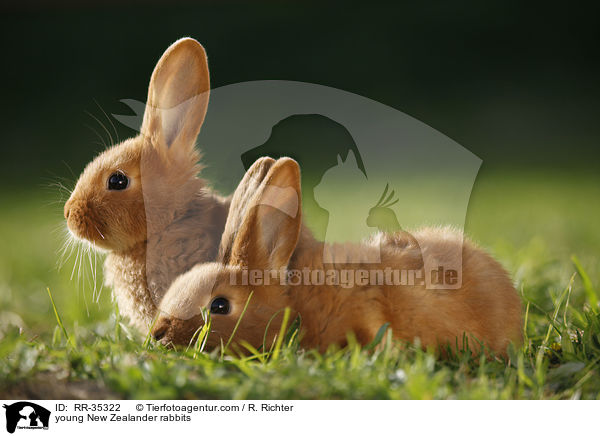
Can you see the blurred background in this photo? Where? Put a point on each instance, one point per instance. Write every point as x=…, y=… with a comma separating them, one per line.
x=517, y=84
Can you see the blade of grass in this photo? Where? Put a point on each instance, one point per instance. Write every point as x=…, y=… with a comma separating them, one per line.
x=539, y=359
x=254, y=353
x=294, y=331
x=200, y=335
x=59, y=320
x=117, y=322
x=280, y=336
x=237, y=324
x=587, y=284
x=264, y=344
x=149, y=334
x=526, y=342
x=378, y=336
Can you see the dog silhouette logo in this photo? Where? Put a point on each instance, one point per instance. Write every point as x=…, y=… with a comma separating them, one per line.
x=316, y=143
x=26, y=415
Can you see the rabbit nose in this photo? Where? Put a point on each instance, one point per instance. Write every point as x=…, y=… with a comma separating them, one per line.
x=68, y=207
x=160, y=329
x=158, y=334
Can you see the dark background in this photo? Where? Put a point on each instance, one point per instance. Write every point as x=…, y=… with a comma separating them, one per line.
x=516, y=83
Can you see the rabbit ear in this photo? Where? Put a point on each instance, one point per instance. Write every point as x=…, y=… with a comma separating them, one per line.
x=240, y=201
x=177, y=97
x=351, y=159
x=270, y=229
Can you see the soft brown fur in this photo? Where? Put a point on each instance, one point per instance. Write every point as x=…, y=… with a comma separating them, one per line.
x=166, y=220
x=486, y=307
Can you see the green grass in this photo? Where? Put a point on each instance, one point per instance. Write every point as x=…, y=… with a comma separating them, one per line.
x=540, y=225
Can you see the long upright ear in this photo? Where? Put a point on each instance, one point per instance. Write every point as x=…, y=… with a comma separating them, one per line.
x=177, y=97
x=270, y=229
x=240, y=202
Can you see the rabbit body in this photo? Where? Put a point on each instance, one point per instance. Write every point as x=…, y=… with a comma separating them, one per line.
x=140, y=275
x=485, y=308
x=142, y=200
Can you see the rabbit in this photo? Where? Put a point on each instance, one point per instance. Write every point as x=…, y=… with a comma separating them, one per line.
x=271, y=237
x=142, y=201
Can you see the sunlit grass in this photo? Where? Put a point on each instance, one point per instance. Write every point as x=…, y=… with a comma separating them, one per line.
x=541, y=226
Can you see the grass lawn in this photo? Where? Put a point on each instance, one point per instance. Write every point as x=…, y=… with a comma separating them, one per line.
x=542, y=225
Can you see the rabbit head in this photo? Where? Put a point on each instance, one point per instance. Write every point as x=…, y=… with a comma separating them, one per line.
x=151, y=174
x=264, y=227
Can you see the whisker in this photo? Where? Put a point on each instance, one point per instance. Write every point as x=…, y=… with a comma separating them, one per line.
x=112, y=141
x=57, y=184
x=99, y=232
x=70, y=170
x=92, y=271
x=87, y=249
x=75, y=264
x=67, y=246
x=79, y=266
x=89, y=256
x=96, y=290
x=109, y=120
x=54, y=202
x=102, y=142
x=53, y=176
x=86, y=279
x=81, y=281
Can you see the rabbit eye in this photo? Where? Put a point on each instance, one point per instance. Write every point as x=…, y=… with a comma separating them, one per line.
x=219, y=306
x=117, y=182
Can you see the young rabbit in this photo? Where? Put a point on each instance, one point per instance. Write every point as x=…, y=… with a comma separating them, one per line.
x=271, y=238
x=142, y=201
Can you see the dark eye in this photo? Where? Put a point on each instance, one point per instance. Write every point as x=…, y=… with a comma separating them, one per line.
x=117, y=182
x=219, y=306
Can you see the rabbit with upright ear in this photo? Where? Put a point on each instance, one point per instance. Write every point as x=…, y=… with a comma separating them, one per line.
x=272, y=241
x=142, y=200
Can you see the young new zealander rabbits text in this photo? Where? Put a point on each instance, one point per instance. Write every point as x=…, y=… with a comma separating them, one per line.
x=142, y=201
x=271, y=237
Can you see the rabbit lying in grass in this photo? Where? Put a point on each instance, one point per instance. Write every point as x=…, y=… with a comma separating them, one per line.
x=142, y=200
x=269, y=236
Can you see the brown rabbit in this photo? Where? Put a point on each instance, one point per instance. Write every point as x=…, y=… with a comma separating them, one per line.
x=142, y=200
x=271, y=238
